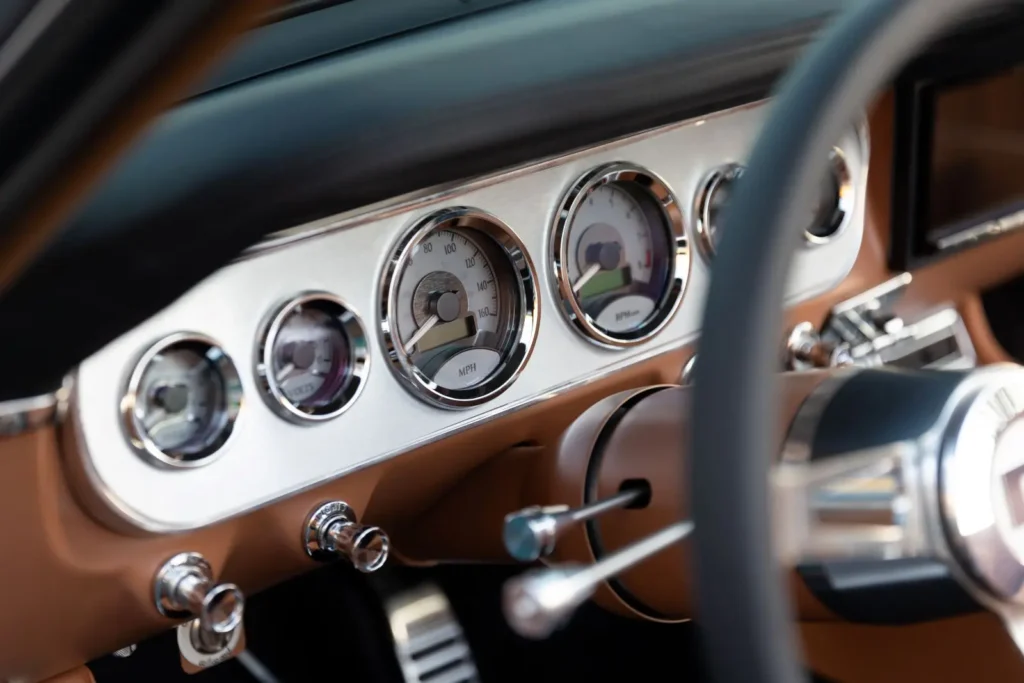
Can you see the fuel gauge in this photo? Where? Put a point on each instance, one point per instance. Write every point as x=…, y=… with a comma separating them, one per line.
x=313, y=358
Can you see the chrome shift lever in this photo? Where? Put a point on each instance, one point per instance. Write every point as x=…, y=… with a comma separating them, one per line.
x=531, y=533
x=539, y=601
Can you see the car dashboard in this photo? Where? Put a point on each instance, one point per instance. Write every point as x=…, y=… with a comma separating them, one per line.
x=405, y=308
x=264, y=436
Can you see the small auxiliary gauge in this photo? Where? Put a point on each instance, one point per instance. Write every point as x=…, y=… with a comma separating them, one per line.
x=182, y=401
x=458, y=308
x=827, y=218
x=312, y=359
x=620, y=255
x=714, y=194
x=834, y=206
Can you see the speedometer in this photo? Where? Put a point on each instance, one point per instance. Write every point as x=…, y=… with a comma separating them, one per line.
x=620, y=255
x=459, y=308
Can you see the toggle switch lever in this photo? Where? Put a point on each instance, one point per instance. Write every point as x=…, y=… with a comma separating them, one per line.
x=332, y=531
x=184, y=587
x=539, y=601
x=531, y=533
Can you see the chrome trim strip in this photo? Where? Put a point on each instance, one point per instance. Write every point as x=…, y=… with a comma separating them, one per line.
x=28, y=414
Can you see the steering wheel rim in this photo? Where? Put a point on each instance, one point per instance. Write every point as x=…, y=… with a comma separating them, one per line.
x=744, y=606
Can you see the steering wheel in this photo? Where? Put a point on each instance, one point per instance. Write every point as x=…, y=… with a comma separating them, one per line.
x=743, y=605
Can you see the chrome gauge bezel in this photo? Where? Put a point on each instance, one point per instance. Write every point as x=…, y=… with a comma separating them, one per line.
x=521, y=337
x=725, y=173
x=359, y=360
x=136, y=431
x=846, y=202
x=634, y=179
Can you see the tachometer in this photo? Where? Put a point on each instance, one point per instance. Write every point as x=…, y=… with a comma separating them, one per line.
x=313, y=359
x=459, y=308
x=182, y=400
x=621, y=259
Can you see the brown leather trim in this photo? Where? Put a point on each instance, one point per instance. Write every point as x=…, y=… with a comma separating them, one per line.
x=986, y=345
x=95, y=584
x=49, y=211
x=974, y=649
x=79, y=675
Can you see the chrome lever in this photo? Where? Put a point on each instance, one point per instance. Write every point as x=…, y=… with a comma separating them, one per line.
x=531, y=533
x=539, y=601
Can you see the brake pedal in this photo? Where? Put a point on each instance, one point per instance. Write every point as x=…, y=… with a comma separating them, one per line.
x=429, y=641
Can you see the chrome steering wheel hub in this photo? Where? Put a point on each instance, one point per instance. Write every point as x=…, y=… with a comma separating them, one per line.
x=942, y=478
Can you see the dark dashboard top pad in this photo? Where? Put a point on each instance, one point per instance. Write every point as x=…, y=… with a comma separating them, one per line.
x=450, y=101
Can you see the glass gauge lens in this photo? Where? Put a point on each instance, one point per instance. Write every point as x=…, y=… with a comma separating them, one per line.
x=460, y=308
x=617, y=255
x=834, y=202
x=182, y=401
x=713, y=197
x=313, y=358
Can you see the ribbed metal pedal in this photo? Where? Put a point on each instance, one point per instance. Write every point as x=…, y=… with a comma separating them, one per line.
x=429, y=642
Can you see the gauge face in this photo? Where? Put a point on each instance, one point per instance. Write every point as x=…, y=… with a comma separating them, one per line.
x=459, y=309
x=620, y=255
x=182, y=401
x=313, y=359
x=713, y=197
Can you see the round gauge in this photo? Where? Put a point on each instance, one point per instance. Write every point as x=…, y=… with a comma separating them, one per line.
x=182, y=401
x=834, y=205
x=828, y=217
x=714, y=194
x=459, y=308
x=313, y=359
x=620, y=255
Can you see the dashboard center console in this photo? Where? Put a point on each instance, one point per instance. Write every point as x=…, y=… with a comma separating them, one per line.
x=959, y=155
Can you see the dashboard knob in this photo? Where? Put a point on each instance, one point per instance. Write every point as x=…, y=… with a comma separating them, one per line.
x=332, y=530
x=184, y=587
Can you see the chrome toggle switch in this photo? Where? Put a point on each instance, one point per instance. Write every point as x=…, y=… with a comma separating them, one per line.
x=531, y=533
x=184, y=587
x=540, y=601
x=333, y=531
x=806, y=350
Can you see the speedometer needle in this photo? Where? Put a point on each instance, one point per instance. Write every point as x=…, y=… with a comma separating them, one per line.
x=590, y=272
x=285, y=372
x=427, y=326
